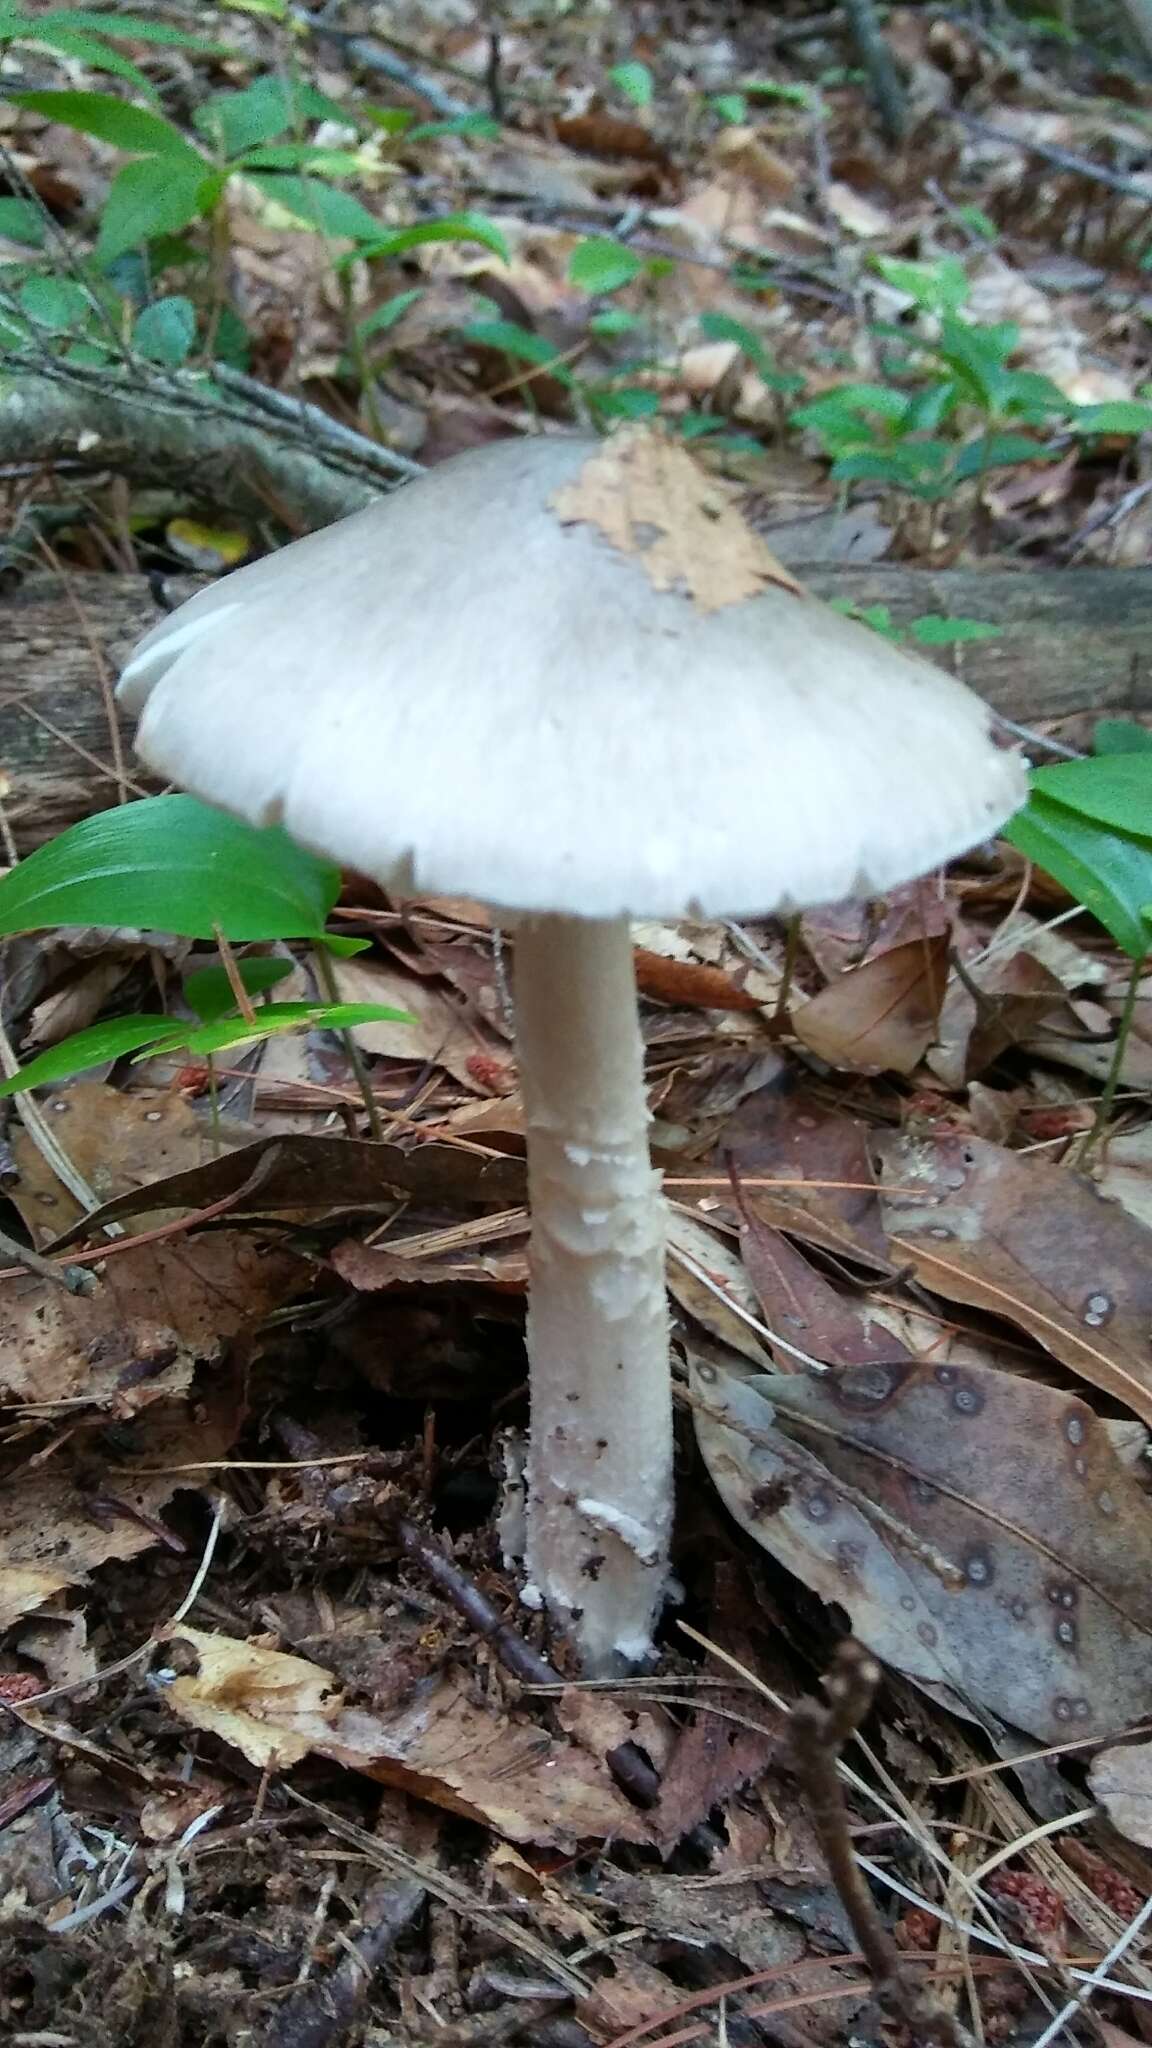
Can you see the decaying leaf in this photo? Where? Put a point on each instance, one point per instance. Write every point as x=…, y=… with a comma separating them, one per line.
x=1029, y=1241
x=274, y=1708
x=1121, y=1779
x=448, y=1745
x=305, y=1174
x=650, y=499
x=882, y=1016
x=117, y=1141
x=976, y=1526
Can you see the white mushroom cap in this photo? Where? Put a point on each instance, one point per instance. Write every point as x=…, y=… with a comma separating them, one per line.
x=463, y=690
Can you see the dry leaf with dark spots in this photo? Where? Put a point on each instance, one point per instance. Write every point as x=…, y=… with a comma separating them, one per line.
x=977, y=1526
x=646, y=495
x=118, y=1141
x=880, y=1017
x=820, y=1156
x=1026, y=1240
x=1121, y=1779
x=804, y=1308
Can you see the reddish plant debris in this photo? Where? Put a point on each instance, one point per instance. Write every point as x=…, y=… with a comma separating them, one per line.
x=1040, y=1908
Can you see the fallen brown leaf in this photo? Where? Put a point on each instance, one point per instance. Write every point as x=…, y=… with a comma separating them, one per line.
x=882, y=1016
x=1121, y=1779
x=650, y=499
x=1029, y=1242
x=977, y=1527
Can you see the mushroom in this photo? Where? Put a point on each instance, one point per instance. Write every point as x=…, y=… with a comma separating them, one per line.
x=566, y=677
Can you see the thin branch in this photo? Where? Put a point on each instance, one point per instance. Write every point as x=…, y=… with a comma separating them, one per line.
x=819, y=1733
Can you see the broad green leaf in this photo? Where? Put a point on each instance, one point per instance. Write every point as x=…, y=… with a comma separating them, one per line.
x=261, y=112
x=632, y=402
x=613, y=320
x=602, y=265
x=935, y=631
x=323, y=208
x=171, y=864
x=1108, y=872
x=1120, y=736
x=56, y=303
x=997, y=451
x=731, y=107
x=940, y=287
x=224, y=1033
x=107, y=1041
x=110, y=120
x=165, y=332
x=152, y=196
x=454, y=227
x=210, y=994
x=634, y=81
x=1113, y=788
x=1115, y=416
x=722, y=327
x=21, y=221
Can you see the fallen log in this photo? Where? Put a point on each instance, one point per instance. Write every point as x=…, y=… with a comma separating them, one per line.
x=1071, y=643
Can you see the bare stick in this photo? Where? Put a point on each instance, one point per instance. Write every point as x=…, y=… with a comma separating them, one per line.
x=819, y=1733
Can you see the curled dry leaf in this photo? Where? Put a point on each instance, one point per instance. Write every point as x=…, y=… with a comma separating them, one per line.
x=306, y=1174
x=1121, y=1779
x=882, y=1016
x=977, y=1526
x=1026, y=1240
x=447, y=1745
x=651, y=500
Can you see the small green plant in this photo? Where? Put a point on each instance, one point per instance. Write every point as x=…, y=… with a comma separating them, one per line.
x=1088, y=824
x=955, y=408
x=931, y=629
x=173, y=864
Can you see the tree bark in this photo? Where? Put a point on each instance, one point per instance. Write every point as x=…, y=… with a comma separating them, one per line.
x=1073, y=643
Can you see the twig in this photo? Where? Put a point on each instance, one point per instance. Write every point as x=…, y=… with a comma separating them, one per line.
x=369, y=57
x=819, y=1733
x=321, y=2014
x=632, y=1771
x=884, y=82
x=1064, y=159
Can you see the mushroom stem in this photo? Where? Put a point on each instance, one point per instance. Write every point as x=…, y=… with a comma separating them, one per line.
x=600, y=1458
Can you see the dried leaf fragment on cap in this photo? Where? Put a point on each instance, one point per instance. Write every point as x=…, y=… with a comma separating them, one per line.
x=651, y=500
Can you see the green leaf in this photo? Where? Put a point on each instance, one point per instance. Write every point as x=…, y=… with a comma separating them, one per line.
x=1114, y=789
x=107, y=1041
x=89, y=51
x=136, y=28
x=455, y=227
x=165, y=332
x=940, y=287
x=150, y=197
x=223, y=1033
x=632, y=402
x=722, y=327
x=602, y=265
x=519, y=343
x=478, y=124
x=111, y=120
x=210, y=994
x=634, y=81
x=1120, y=736
x=1108, y=872
x=272, y=106
x=386, y=316
x=731, y=107
x=55, y=303
x=22, y=222
x=171, y=864
x=1116, y=416
x=997, y=451
x=613, y=320
x=781, y=89
x=935, y=631
x=323, y=208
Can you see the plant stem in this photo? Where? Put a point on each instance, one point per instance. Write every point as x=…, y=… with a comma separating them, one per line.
x=325, y=975
x=1116, y=1065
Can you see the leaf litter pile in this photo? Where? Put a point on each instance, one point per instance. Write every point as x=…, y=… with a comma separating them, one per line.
x=285, y=1760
